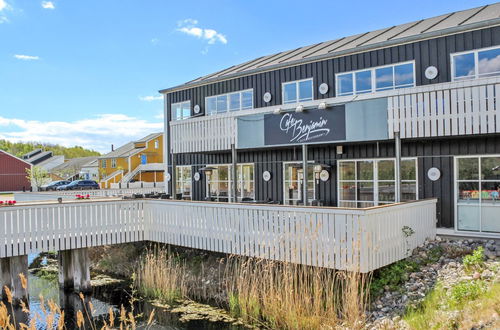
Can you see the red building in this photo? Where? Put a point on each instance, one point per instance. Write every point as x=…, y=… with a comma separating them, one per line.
x=13, y=173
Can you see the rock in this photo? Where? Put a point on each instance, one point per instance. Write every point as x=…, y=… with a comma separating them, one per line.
x=487, y=274
x=490, y=254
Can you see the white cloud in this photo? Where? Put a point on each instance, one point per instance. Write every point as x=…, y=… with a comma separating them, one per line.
x=48, y=5
x=26, y=57
x=155, y=41
x=96, y=133
x=189, y=27
x=160, y=115
x=4, y=6
x=151, y=98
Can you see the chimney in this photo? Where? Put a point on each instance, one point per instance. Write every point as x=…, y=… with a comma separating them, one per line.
x=112, y=148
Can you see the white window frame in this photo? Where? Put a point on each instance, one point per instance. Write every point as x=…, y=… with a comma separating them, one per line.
x=476, y=62
x=296, y=82
x=184, y=167
x=174, y=118
x=455, y=194
x=113, y=162
x=309, y=162
x=103, y=163
x=373, y=79
x=228, y=102
x=375, y=179
x=230, y=180
x=157, y=144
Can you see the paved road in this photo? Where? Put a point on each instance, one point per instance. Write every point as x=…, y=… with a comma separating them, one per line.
x=34, y=197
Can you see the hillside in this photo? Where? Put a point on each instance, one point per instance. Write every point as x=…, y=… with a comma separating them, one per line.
x=20, y=148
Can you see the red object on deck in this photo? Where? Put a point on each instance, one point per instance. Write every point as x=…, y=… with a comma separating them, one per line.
x=13, y=173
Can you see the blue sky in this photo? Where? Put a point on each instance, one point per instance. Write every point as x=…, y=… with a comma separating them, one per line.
x=88, y=72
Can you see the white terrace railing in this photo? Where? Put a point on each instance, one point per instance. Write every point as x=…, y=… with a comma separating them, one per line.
x=108, y=192
x=352, y=239
x=448, y=109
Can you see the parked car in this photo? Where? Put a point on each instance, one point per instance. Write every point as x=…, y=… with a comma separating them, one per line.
x=80, y=185
x=53, y=185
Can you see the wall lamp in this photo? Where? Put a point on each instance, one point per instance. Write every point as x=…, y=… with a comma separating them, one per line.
x=322, y=106
x=277, y=111
x=299, y=108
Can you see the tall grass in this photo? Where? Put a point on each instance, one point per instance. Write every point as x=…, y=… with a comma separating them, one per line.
x=279, y=295
x=161, y=275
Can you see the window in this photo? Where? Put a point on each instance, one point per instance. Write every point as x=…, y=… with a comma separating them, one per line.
x=157, y=143
x=376, y=79
x=297, y=91
x=181, y=110
x=219, y=182
x=476, y=64
x=477, y=187
x=103, y=163
x=113, y=163
x=294, y=178
x=183, y=182
x=229, y=102
x=371, y=182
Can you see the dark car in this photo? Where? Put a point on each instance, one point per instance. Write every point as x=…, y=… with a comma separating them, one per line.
x=54, y=184
x=80, y=185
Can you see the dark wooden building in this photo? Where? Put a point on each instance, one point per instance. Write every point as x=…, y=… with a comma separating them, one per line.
x=434, y=83
x=13, y=173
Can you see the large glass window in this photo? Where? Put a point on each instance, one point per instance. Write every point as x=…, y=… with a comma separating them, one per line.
x=297, y=91
x=232, y=102
x=376, y=79
x=478, y=188
x=370, y=182
x=181, y=110
x=476, y=64
x=219, y=183
x=183, y=182
x=294, y=178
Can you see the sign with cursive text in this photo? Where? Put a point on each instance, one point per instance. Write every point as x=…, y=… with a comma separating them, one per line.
x=310, y=126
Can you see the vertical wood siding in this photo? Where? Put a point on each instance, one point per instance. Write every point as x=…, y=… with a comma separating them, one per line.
x=430, y=153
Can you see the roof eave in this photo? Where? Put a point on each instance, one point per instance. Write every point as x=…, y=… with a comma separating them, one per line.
x=383, y=44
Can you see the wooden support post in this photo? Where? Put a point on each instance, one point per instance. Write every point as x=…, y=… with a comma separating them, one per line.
x=74, y=270
x=10, y=271
x=234, y=178
x=65, y=270
x=81, y=270
x=173, y=178
x=397, y=141
x=304, y=173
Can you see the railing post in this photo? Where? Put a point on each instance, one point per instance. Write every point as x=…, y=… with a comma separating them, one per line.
x=173, y=178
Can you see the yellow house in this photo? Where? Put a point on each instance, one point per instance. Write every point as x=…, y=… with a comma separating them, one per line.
x=137, y=161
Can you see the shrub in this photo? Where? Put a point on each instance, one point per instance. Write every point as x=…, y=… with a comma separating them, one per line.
x=392, y=276
x=466, y=291
x=474, y=261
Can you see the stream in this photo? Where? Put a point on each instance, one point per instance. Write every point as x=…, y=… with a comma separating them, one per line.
x=102, y=299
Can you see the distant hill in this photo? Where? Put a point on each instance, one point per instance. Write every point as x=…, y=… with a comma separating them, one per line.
x=20, y=148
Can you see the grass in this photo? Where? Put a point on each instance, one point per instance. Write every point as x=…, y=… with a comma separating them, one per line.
x=266, y=293
x=464, y=305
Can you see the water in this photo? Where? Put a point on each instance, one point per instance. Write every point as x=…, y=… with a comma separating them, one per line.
x=102, y=300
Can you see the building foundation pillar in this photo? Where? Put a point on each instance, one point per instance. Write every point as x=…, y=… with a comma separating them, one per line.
x=74, y=270
x=11, y=269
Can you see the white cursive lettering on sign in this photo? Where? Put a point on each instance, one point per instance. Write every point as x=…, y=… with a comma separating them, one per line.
x=303, y=132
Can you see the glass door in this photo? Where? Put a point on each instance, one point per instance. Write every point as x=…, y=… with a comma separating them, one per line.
x=294, y=178
x=477, y=193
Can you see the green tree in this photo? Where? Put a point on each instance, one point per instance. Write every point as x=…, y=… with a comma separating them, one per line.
x=37, y=175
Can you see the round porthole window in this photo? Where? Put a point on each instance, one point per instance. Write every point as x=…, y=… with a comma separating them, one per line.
x=433, y=174
x=267, y=97
x=323, y=88
x=197, y=176
x=431, y=72
x=266, y=175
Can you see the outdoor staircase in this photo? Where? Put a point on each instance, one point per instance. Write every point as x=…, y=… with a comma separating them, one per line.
x=142, y=168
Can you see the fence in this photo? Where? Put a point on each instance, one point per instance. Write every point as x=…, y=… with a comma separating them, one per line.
x=354, y=239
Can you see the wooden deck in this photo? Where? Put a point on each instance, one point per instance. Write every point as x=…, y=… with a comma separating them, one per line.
x=340, y=238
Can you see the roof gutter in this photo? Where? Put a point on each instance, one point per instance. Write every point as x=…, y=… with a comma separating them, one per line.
x=383, y=44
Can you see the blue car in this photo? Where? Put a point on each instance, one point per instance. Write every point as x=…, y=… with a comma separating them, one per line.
x=80, y=185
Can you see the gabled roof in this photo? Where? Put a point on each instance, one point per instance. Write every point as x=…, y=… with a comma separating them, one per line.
x=455, y=22
x=129, y=149
x=74, y=164
x=15, y=157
